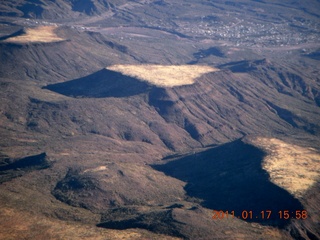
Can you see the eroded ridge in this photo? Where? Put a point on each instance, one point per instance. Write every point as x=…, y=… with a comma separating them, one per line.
x=42, y=34
x=291, y=167
x=164, y=75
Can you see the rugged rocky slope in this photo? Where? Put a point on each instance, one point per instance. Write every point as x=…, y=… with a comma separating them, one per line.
x=55, y=9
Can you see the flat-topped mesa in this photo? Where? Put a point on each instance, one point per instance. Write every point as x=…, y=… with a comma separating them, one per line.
x=291, y=167
x=42, y=34
x=164, y=75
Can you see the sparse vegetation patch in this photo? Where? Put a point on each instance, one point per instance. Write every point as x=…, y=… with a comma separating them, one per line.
x=291, y=167
x=42, y=34
x=162, y=75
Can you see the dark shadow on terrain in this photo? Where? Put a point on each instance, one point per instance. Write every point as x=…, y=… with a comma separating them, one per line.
x=162, y=102
x=27, y=162
x=230, y=178
x=314, y=55
x=10, y=169
x=86, y=6
x=284, y=114
x=104, y=83
x=243, y=66
x=31, y=10
x=203, y=53
x=158, y=221
x=15, y=34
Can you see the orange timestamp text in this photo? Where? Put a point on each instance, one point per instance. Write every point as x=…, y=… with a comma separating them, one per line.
x=261, y=215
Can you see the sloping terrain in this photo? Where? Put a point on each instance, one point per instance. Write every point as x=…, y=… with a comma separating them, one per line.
x=55, y=9
x=142, y=119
